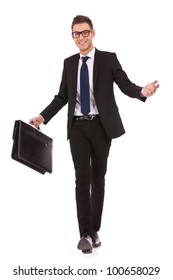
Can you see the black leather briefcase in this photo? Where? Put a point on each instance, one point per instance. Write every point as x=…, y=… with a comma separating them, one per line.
x=31, y=147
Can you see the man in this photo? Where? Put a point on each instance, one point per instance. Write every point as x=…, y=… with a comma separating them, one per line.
x=93, y=121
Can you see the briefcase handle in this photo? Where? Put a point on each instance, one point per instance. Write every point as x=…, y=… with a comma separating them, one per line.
x=31, y=123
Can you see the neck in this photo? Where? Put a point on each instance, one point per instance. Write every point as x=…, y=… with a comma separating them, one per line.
x=85, y=52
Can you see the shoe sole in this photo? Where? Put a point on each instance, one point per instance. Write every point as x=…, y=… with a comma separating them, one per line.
x=87, y=251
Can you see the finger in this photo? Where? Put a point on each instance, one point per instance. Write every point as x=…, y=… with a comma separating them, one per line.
x=31, y=122
x=35, y=123
x=151, y=89
x=155, y=84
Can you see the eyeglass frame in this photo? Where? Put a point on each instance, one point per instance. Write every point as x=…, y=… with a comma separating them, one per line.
x=81, y=33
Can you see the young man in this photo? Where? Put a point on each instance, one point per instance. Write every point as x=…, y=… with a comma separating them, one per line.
x=93, y=121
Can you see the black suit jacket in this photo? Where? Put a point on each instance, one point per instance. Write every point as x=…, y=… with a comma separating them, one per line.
x=106, y=71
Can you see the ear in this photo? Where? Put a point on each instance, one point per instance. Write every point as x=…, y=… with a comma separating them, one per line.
x=93, y=33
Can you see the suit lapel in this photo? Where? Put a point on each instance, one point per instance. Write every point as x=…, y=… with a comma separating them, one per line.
x=97, y=60
x=75, y=72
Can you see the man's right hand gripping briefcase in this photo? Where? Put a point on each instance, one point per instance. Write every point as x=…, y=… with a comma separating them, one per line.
x=31, y=147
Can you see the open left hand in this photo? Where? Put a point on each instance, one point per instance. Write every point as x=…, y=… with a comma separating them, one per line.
x=150, y=89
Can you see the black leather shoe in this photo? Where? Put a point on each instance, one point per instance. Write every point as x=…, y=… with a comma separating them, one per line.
x=85, y=244
x=96, y=240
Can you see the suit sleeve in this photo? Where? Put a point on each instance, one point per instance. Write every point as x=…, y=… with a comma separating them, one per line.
x=58, y=102
x=121, y=79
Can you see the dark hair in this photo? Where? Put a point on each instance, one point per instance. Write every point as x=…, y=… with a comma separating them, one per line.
x=81, y=19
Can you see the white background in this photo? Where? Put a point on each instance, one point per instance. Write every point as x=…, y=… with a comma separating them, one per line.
x=38, y=212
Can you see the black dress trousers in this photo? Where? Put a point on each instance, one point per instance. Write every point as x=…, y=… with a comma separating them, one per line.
x=90, y=146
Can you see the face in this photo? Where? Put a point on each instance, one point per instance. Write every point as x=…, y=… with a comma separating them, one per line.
x=84, y=44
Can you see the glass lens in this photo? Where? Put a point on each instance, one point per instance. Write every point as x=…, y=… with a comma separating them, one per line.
x=85, y=33
x=76, y=34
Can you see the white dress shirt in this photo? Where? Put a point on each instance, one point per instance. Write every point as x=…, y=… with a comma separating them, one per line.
x=93, y=107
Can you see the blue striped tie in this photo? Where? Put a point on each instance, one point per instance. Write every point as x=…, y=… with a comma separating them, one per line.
x=84, y=88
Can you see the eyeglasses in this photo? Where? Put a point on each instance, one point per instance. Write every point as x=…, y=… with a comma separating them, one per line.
x=85, y=33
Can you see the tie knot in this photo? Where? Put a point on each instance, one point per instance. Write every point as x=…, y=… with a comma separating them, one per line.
x=85, y=58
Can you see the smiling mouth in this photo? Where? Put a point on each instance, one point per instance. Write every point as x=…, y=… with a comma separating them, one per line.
x=82, y=43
